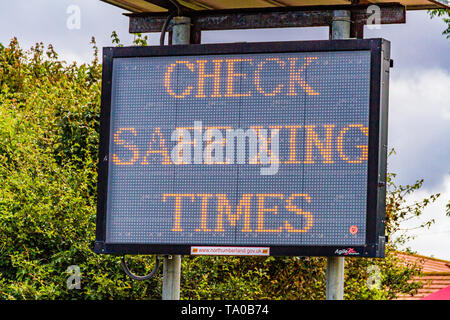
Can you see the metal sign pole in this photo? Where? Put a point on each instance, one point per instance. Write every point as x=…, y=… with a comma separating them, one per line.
x=335, y=278
x=340, y=29
x=172, y=264
x=171, y=277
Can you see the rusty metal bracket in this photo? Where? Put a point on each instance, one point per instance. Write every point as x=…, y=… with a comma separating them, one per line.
x=280, y=17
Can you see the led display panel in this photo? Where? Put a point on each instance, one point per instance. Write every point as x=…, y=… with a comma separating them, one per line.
x=279, y=147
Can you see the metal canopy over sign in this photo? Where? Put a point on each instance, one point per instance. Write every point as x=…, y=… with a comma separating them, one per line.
x=279, y=147
x=139, y=6
x=275, y=17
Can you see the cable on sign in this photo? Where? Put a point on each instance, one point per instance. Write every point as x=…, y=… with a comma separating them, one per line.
x=136, y=277
x=164, y=28
x=177, y=5
x=162, y=38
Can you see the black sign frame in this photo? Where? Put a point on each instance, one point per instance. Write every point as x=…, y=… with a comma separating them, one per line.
x=377, y=149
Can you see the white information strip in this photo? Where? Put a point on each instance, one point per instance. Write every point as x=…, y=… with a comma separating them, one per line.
x=230, y=251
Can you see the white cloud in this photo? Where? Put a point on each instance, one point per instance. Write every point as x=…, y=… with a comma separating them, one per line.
x=419, y=126
x=434, y=241
x=419, y=130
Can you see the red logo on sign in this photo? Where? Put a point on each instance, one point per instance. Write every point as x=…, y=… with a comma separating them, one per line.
x=353, y=229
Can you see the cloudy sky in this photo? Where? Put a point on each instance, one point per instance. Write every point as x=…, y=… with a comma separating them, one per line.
x=419, y=119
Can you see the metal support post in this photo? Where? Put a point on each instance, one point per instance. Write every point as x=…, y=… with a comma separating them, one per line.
x=335, y=278
x=171, y=277
x=181, y=30
x=340, y=29
x=340, y=26
x=172, y=264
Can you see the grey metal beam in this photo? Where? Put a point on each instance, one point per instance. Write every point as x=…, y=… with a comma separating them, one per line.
x=268, y=17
